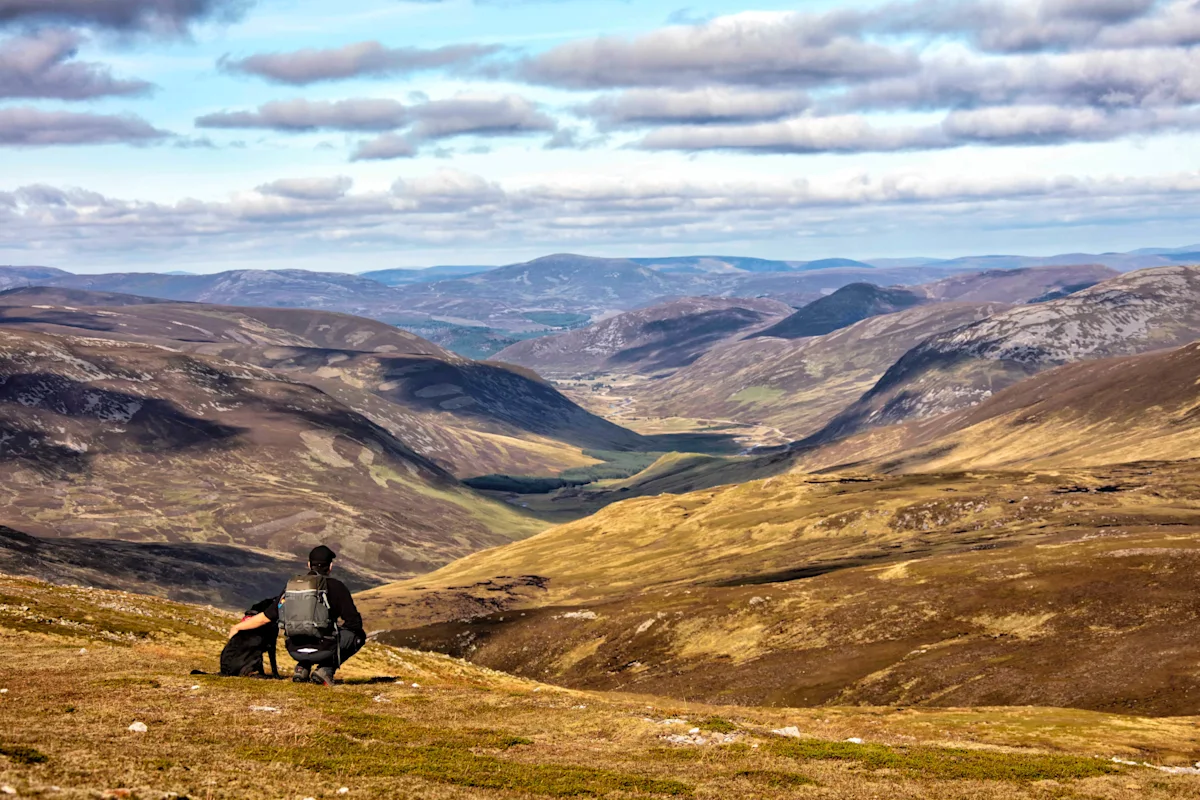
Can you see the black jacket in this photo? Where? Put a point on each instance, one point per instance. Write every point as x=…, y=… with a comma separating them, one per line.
x=341, y=606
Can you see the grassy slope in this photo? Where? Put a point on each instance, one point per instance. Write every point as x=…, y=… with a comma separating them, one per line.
x=84, y=664
x=1137, y=408
x=960, y=589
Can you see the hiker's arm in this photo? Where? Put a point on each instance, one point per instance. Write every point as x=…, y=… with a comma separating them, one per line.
x=257, y=621
x=351, y=619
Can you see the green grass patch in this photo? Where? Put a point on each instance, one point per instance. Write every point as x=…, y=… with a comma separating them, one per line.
x=397, y=730
x=947, y=763
x=617, y=465
x=753, y=395
x=717, y=725
x=22, y=754
x=452, y=763
x=775, y=779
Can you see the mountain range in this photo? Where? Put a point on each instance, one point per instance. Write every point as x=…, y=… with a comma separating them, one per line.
x=989, y=497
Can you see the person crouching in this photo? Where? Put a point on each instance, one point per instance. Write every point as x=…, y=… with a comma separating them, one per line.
x=308, y=614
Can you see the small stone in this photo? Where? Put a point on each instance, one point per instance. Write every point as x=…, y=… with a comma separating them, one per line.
x=694, y=730
x=343, y=790
x=791, y=731
x=3, y=691
x=416, y=686
x=139, y=727
x=854, y=740
x=194, y=688
x=7, y=790
x=268, y=709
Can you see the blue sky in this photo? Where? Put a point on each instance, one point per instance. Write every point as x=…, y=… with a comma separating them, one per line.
x=271, y=136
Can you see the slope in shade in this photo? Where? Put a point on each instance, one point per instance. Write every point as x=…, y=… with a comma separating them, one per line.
x=216, y=574
x=129, y=441
x=844, y=307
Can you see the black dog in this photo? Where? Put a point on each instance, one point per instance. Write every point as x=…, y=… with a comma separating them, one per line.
x=242, y=656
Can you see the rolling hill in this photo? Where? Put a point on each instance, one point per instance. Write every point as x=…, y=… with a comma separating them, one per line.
x=401, y=277
x=29, y=276
x=1136, y=312
x=846, y=306
x=107, y=439
x=557, y=283
x=469, y=417
x=799, y=385
x=249, y=287
x=1061, y=588
x=1133, y=408
x=655, y=339
x=1018, y=285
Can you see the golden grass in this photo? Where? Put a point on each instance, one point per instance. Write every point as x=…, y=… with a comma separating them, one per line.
x=84, y=664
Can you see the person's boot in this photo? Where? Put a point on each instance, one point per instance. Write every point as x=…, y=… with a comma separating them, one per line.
x=323, y=676
x=301, y=674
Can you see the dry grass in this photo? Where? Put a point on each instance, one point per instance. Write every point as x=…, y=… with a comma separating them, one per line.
x=84, y=664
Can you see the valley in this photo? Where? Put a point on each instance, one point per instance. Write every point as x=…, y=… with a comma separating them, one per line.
x=944, y=528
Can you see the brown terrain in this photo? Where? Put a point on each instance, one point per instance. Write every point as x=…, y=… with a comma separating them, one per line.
x=1134, y=313
x=91, y=427
x=1035, y=550
x=469, y=417
x=799, y=385
x=660, y=338
x=1068, y=589
x=86, y=665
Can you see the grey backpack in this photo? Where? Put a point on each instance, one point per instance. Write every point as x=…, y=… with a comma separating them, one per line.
x=304, y=607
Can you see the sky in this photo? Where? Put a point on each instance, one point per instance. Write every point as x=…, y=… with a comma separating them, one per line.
x=206, y=135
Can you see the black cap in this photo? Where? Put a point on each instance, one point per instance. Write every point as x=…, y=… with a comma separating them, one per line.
x=321, y=556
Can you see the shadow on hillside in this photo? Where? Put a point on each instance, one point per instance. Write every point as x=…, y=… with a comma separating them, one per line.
x=489, y=393
x=135, y=424
x=223, y=575
x=59, y=317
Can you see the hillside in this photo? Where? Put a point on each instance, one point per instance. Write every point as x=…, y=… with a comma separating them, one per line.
x=1135, y=408
x=799, y=385
x=844, y=307
x=400, y=277
x=27, y=276
x=1072, y=588
x=221, y=575
x=108, y=439
x=247, y=287
x=1019, y=285
x=87, y=664
x=470, y=417
x=561, y=283
x=662, y=337
x=1137, y=312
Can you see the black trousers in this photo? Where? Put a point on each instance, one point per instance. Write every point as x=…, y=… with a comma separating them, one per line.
x=329, y=652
